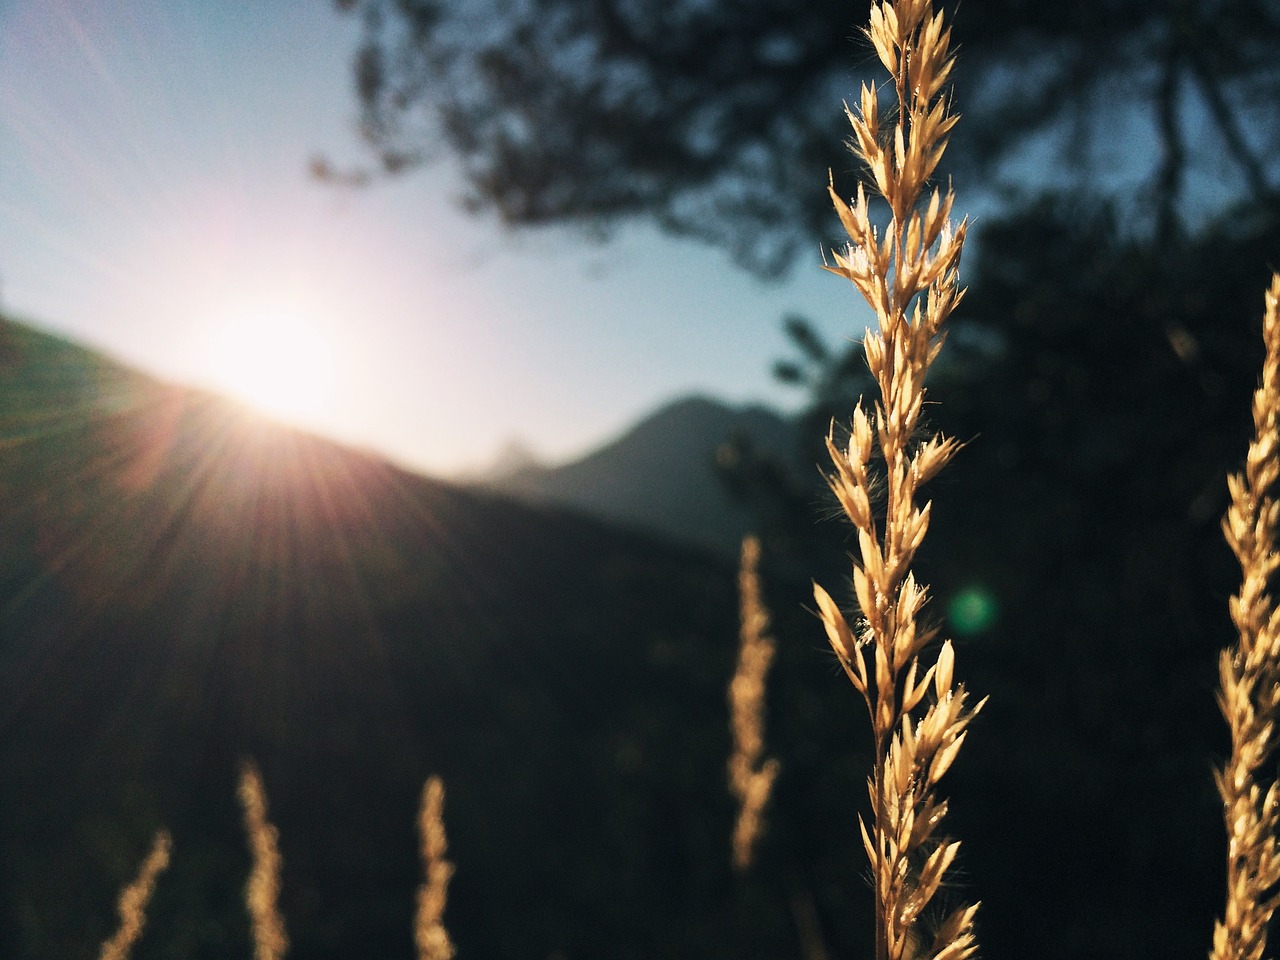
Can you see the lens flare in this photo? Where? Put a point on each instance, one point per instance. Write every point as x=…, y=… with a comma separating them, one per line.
x=973, y=611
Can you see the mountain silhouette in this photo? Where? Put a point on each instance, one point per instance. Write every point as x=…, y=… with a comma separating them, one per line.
x=183, y=584
x=660, y=475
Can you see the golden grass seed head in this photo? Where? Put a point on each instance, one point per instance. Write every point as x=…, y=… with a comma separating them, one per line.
x=909, y=276
x=838, y=633
x=931, y=67
x=945, y=757
x=881, y=35
x=865, y=122
x=930, y=457
x=873, y=346
x=955, y=939
x=945, y=667
x=867, y=844
x=863, y=590
x=914, y=695
x=931, y=814
x=860, y=435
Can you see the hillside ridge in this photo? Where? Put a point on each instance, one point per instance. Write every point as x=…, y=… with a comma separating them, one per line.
x=661, y=473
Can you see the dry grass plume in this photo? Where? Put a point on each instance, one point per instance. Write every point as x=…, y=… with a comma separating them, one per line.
x=134, y=898
x=909, y=276
x=262, y=893
x=429, y=932
x=750, y=776
x=1249, y=674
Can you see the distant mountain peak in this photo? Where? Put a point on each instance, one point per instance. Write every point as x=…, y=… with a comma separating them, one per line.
x=659, y=474
x=514, y=457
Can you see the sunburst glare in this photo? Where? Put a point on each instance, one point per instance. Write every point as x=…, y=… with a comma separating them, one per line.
x=275, y=360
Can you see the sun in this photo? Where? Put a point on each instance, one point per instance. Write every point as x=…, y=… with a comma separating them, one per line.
x=275, y=360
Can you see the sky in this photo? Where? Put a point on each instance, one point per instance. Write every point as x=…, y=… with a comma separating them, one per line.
x=155, y=204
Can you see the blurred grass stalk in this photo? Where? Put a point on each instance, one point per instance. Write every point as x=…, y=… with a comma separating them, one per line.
x=262, y=892
x=909, y=276
x=134, y=898
x=750, y=776
x=429, y=932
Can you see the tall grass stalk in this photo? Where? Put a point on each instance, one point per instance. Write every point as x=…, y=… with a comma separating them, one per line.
x=134, y=898
x=430, y=935
x=909, y=276
x=750, y=776
x=1249, y=674
x=262, y=893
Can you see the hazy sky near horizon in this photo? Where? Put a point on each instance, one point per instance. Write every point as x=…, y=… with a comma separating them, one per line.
x=154, y=194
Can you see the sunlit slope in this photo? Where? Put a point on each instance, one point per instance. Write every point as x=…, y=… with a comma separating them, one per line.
x=184, y=584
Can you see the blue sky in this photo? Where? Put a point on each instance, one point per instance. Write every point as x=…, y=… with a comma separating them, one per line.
x=153, y=190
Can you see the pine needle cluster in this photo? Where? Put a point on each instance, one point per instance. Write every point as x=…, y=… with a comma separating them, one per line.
x=750, y=776
x=909, y=275
x=1249, y=674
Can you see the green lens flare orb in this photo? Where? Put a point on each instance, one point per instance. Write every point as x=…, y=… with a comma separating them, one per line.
x=972, y=611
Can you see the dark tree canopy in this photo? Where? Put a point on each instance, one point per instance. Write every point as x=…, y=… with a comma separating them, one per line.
x=720, y=118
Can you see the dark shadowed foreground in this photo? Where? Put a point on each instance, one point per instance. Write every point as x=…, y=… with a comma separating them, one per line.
x=183, y=586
